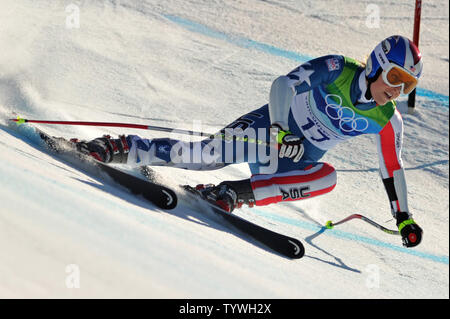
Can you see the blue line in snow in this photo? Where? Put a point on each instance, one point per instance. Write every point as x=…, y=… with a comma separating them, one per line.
x=441, y=98
x=251, y=44
x=350, y=236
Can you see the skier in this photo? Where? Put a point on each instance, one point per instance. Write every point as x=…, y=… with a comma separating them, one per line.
x=319, y=104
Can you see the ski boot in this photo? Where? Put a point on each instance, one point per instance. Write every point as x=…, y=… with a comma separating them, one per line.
x=411, y=232
x=105, y=149
x=228, y=195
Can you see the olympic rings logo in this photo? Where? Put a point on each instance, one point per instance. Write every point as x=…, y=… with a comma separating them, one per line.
x=344, y=115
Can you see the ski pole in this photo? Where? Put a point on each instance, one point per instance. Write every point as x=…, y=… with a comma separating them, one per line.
x=221, y=135
x=330, y=224
x=20, y=120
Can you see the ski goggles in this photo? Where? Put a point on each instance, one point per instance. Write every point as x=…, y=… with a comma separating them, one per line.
x=394, y=75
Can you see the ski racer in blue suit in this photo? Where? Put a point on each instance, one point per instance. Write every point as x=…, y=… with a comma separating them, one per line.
x=316, y=106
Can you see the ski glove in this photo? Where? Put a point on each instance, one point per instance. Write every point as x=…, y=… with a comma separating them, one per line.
x=411, y=232
x=290, y=145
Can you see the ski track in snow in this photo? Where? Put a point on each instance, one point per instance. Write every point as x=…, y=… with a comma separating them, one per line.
x=168, y=64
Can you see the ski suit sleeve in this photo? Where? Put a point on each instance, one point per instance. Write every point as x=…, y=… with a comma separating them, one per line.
x=305, y=77
x=389, y=144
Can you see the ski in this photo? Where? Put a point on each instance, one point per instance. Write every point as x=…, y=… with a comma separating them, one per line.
x=157, y=194
x=282, y=244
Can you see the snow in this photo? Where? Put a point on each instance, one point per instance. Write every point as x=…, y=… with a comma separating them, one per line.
x=174, y=62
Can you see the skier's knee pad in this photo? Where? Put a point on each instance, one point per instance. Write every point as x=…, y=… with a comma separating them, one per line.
x=317, y=179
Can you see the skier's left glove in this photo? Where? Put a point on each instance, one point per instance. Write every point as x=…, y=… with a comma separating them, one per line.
x=290, y=145
x=411, y=232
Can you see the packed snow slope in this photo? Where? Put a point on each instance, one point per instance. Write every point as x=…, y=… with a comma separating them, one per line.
x=200, y=65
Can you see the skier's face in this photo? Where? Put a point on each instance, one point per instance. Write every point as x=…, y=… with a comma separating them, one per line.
x=383, y=93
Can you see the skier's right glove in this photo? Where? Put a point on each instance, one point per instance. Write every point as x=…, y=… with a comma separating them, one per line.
x=290, y=145
x=411, y=232
x=105, y=149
